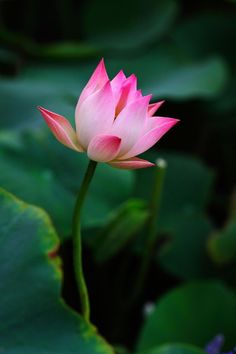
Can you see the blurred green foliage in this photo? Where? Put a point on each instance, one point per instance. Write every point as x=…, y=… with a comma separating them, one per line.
x=193, y=312
x=182, y=52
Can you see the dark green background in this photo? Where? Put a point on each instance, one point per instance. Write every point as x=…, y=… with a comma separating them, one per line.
x=182, y=52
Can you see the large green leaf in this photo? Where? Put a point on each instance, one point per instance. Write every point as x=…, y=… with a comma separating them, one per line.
x=33, y=318
x=193, y=313
x=173, y=349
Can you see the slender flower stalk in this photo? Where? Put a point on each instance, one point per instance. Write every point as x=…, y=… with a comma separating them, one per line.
x=77, y=242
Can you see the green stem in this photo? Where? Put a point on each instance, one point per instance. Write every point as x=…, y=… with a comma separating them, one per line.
x=151, y=237
x=77, y=243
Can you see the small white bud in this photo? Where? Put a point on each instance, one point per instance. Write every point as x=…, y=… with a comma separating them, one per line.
x=161, y=163
x=148, y=309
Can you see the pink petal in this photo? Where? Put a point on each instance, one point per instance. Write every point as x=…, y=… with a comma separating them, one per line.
x=153, y=107
x=138, y=94
x=116, y=85
x=132, y=79
x=99, y=76
x=61, y=128
x=95, y=115
x=128, y=93
x=155, y=122
x=131, y=164
x=123, y=99
x=151, y=137
x=130, y=123
x=132, y=82
x=98, y=79
x=103, y=148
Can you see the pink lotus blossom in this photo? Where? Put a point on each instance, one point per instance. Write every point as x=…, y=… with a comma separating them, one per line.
x=114, y=121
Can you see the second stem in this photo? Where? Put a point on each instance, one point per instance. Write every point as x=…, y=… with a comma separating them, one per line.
x=151, y=238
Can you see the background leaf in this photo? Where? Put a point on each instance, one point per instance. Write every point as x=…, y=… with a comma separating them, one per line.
x=125, y=31
x=169, y=72
x=185, y=252
x=193, y=313
x=222, y=244
x=121, y=227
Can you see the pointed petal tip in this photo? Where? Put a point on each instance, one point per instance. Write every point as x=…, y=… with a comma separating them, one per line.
x=99, y=76
x=166, y=120
x=102, y=62
x=61, y=128
x=41, y=109
x=97, y=80
x=120, y=76
x=131, y=164
x=132, y=81
x=144, y=100
x=153, y=107
x=45, y=112
x=132, y=77
x=159, y=103
x=173, y=121
x=105, y=90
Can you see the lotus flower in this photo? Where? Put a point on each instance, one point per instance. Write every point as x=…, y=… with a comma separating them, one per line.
x=114, y=121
